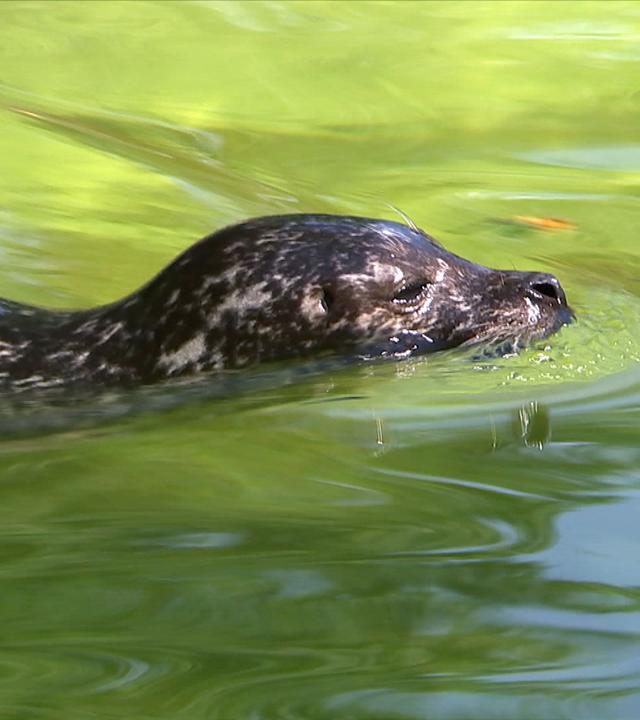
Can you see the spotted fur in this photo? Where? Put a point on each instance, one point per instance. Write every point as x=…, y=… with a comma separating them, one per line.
x=280, y=287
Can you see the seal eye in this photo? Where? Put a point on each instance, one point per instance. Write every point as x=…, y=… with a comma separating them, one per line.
x=326, y=301
x=411, y=293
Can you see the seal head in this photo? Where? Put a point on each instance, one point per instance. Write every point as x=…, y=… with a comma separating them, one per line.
x=281, y=287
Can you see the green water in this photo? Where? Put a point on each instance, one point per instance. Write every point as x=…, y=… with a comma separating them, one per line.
x=438, y=539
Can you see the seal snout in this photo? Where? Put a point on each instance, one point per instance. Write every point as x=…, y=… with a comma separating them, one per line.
x=546, y=292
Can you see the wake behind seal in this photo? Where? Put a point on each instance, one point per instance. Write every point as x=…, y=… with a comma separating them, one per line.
x=279, y=287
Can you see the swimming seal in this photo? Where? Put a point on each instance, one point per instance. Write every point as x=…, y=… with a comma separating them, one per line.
x=279, y=287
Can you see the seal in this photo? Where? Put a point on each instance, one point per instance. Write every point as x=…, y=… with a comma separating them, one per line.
x=280, y=287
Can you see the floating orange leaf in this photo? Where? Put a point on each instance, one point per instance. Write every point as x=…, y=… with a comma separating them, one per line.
x=543, y=223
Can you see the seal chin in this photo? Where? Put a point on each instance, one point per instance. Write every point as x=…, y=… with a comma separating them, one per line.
x=566, y=316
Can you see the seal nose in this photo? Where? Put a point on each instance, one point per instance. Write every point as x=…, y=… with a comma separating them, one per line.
x=541, y=285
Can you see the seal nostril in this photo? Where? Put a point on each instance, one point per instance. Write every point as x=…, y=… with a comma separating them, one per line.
x=546, y=288
x=543, y=285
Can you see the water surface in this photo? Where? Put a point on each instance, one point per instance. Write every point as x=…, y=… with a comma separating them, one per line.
x=440, y=538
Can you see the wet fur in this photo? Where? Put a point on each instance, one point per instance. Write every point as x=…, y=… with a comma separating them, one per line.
x=280, y=287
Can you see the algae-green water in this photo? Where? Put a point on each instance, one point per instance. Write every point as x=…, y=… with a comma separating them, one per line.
x=438, y=539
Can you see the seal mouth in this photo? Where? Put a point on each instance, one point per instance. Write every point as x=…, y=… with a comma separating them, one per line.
x=510, y=343
x=565, y=316
x=405, y=344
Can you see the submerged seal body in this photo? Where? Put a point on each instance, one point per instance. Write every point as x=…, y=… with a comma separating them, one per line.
x=280, y=287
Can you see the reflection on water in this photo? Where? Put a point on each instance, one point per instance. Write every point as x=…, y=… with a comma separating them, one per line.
x=449, y=537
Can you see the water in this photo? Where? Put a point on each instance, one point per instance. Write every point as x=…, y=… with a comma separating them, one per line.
x=441, y=538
